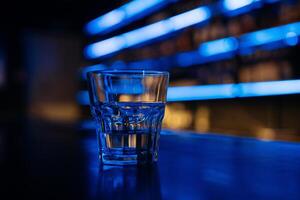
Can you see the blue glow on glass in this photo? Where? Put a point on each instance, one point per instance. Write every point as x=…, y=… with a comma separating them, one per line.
x=85, y=70
x=123, y=15
x=231, y=5
x=218, y=46
x=147, y=33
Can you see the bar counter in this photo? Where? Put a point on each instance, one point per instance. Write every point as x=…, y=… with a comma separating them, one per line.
x=49, y=161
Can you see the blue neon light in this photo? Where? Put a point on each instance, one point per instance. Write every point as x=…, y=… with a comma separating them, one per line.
x=104, y=22
x=291, y=39
x=161, y=28
x=167, y=26
x=241, y=90
x=287, y=33
x=189, y=18
x=236, y=7
x=146, y=33
x=123, y=15
x=218, y=46
x=231, y=5
x=186, y=59
x=269, y=88
x=223, y=91
x=105, y=47
x=135, y=7
x=224, y=48
x=204, y=92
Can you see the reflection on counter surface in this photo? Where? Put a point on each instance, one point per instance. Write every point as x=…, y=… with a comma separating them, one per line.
x=56, y=161
x=129, y=182
x=203, y=166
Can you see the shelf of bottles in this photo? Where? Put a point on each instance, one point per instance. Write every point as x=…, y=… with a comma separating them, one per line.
x=239, y=48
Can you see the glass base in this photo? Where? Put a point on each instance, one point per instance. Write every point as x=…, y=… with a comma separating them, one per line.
x=127, y=159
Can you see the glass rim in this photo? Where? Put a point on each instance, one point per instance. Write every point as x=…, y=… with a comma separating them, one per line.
x=122, y=72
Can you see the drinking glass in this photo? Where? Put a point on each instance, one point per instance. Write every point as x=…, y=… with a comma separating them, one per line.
x=128, y=107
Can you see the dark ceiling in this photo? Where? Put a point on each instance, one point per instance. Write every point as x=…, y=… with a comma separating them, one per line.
x=67, y=14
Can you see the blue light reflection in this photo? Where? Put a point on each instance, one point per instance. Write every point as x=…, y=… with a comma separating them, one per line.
x=199, y=166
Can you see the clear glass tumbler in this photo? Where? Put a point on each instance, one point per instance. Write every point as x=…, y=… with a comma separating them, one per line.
x=128, y=107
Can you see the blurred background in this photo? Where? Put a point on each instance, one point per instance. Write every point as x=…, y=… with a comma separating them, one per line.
x=234, y=64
